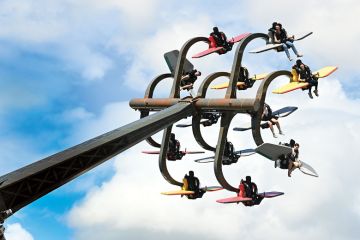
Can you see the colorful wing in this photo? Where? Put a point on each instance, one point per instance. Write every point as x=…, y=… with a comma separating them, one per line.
x=151, y=152
x=225, y=85
x=178, y=192
x=233, y=200
x=270, y=194
x=284, y=112
x=267, y=47
x=183, y=125
x=205, y=160
x=325, y=71
x=260, y=76
x=239, y=84
x=241, y=129
x=247, y=128
x=303, y=36
x=207, y=52
x=212, y=188
x=192, y=152
x=290, y=87
x=307, y=169
x=238, y=38
x=272, y=151
x=245, y=152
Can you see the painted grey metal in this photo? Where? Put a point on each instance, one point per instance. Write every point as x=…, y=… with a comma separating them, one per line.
x=227, y=116
x=208, y=80
x=171, y=60
x=3, y=216
x=196, y=118
x=175, y=90
x=31, y=182
x=260, y=100
x=224, y=127
x=243, y=105
x=273, y=151
x=149, y=93
x=235, y=71
x=175, y=93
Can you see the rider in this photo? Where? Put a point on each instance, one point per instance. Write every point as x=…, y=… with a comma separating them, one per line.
x=188, y=79
x=290, y=161
x=249, y=189
x=229, y=154
x=218, y=39
x=306, y=75
x=271, y=32
x=271, y=120
x=212, y=118
x=244, y=77
x=294, y=157
x=282, y=37
x=193, y=184
x=174, y=148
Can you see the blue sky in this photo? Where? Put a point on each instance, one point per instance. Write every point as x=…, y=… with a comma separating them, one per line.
x=68, y=68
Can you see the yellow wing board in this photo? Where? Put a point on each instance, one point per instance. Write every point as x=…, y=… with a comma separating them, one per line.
x=225, y=85
x=295, y=84
x=325, y=71
x=260, y=76
x=239, y=84
x=290, y=87
x=178, y=192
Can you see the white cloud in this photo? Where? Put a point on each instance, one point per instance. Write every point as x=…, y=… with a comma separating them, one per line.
x=334, y=35
x=17, y=232
x=130, y=205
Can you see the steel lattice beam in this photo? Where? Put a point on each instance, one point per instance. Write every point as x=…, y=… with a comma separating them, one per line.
x=25, y=185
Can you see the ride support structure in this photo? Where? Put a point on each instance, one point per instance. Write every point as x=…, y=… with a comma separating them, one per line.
x=27, y=184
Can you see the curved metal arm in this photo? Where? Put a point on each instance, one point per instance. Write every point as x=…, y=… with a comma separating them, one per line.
x=227, y=117
x=149, y=94
x=151, y=87
x=175, y=90
x=260, y=100
x=235, y=71
x=196, y=118
x=225, y=123
x=162, y=158
x=209, y=79
x=175, y=93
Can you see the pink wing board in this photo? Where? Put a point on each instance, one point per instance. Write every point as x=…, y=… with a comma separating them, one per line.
x=233, y=200
x=270, y=194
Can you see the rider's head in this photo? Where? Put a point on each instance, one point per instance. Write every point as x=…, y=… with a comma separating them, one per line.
x=191, y=173
x=216, y=30
x=248, y=179
x=296, y=146
x=172, y=136
x=292, y=143
x=298, y=62
x=274, y=25
x=277, y=28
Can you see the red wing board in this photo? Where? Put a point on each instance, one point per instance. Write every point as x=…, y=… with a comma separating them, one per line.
x=207, y=52
x=238, y=38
